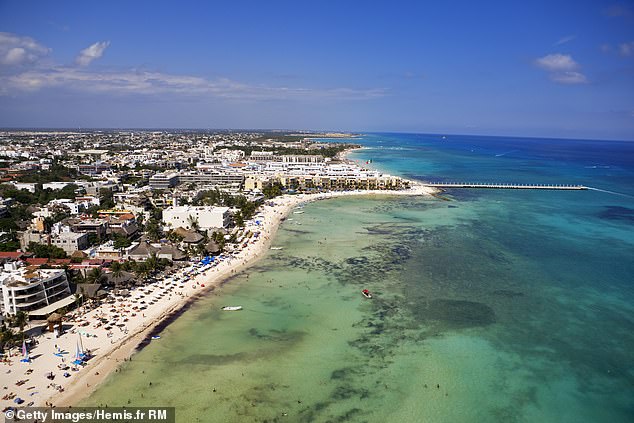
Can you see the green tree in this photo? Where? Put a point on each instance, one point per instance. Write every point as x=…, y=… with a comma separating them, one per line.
x=117, y=271
x=93, y=238
x=106, y=199
x=142, y=271
x=77, y=278
x=153, y=230
x=121, y=241
x=7, y=337
x=272, y=191
x=46, y=251
x=96, y=275
x=173, y=236
x=20, y=319
x=193, y=222
x=238, y=219
x=152, y=263
x=201, y=249
x=79, y=298
x=9, y=242
x=129, y=266
x=219, y=238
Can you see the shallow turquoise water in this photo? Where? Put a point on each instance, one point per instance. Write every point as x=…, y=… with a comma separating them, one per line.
x=496, y=306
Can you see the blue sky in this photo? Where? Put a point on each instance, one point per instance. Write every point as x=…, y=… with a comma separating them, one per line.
x=536, y=68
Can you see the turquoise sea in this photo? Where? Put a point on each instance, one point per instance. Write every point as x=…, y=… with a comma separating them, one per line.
x=494, y=306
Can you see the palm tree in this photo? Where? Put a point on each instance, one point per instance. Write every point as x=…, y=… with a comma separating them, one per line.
x=116, y=270
x=193, y=222
x=173, y=236
x=141, y=271
x=79, y=297
x=152, y=230
x=201, y=249
x=152, y=263
x=21, y=319
x=75, y=277
x=7, y=337
x=96, y=275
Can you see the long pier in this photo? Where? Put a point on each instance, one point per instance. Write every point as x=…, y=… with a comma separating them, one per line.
x=505, y=186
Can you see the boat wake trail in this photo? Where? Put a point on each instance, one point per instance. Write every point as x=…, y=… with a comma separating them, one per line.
x=611, y=192
x=505, y=153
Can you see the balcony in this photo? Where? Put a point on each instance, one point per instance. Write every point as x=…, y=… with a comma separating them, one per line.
x=62, y=282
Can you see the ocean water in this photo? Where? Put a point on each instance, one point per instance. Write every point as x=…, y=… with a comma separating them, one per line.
x=489, y=305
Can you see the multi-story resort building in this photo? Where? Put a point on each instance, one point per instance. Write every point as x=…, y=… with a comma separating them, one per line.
x=37, y=292
x=220, y=178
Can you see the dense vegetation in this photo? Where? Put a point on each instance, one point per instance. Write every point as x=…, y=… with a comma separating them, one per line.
x=9, y=242
x=46, y=251
x=56, y=173
x=272, y=190
x=330, y=151
x=215, y=197
x=40, y=196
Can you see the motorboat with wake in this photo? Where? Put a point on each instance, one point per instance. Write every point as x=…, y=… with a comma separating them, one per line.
x=232, y=308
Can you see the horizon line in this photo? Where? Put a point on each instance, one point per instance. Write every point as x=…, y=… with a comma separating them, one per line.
x=282, y=130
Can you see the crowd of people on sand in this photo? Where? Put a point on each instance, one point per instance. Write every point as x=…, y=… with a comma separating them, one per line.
x=57, y=360
x=54, y=360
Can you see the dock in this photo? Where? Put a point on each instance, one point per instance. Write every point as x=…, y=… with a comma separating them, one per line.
x=506, y=186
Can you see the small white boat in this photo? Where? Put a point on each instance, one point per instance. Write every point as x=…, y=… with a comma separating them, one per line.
x=366, y=293
x=156, y=337
x=299, y=212
x=232, y=308
x=276, y=248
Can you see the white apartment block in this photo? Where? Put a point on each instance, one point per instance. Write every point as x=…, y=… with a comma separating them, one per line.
x=56, y=185
x=70, y=241
x=207, y=217
x=36, y=291
x=30, y=187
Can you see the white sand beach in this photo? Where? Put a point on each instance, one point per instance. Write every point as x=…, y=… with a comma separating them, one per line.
x=127, y=325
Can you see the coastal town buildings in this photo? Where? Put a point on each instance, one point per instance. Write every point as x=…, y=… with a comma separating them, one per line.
x=117, y=195
x=37, y=292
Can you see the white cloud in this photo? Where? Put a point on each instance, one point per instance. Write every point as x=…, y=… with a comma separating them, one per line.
x=626, y=49
x=17, y=50
x=95, y=51
x=557, y=62
x=561, y=68
x=565, y=39
x=569, y=77
x=156, y=83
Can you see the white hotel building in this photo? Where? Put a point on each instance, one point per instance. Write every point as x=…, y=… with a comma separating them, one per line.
x=208, y=217
x=38, y=292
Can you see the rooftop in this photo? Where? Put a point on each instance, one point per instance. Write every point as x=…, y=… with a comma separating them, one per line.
x=24, y=276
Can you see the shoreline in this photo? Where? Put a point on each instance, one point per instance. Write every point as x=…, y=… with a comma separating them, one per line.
x=109, y=356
